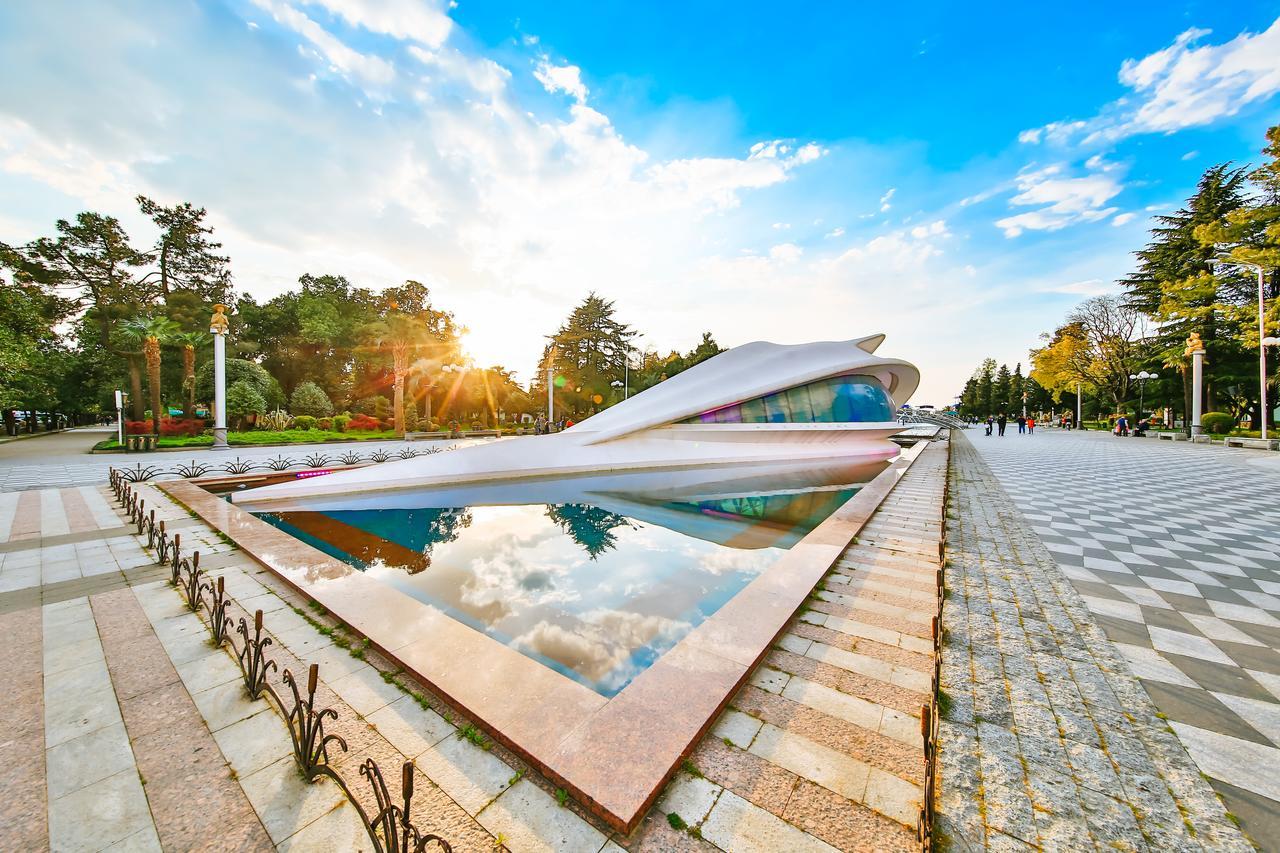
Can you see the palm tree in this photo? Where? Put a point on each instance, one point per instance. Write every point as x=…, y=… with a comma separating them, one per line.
x=402, y=336
x=129, y=345
x=151, y=331
x=189, y=341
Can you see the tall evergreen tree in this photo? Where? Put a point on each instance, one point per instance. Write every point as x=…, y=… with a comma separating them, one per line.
x=586, y=357
x=1001, y=389
x=184, y=254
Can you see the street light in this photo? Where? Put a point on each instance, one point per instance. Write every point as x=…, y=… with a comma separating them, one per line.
x=1142, y=387
x=1262, y=337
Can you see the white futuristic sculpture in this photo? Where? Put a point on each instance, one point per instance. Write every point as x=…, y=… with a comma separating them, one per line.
x=760, y=405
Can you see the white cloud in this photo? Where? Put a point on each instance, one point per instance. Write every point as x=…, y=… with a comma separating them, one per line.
x=373, y=71
x=835, y=232
x=1187, y=84
x=884, y=199
x=782, y=226
x=1122, y=218
x=421, y=21
x=786, y=252
x=933, y=229
x=1088, y=287
x=1190, y=155
x=1062, y=200
x=561, y=78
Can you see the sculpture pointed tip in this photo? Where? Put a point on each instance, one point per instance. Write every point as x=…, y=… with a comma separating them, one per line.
x=870, y=343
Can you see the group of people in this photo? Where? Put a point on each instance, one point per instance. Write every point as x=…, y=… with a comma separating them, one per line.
x=1026, y=425
x=542, y=426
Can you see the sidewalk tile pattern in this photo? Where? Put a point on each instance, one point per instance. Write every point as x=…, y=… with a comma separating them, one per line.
x=1049, y=740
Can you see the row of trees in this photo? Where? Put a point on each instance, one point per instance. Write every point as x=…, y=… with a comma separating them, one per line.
x=995, y=390
x=1198, y=274
x=85, y=309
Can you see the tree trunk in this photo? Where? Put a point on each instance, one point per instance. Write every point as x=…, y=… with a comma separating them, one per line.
x=398, y=406
x=135, y=389
x=152, y=350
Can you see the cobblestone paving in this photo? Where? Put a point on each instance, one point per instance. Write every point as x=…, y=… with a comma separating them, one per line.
x=1176, y=550
x=1048, y=740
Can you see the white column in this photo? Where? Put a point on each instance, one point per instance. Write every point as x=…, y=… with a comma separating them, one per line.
x=551, y=403
x=1197, y=378
x=1262, y=355
x=1079, y=403
x=220, y=392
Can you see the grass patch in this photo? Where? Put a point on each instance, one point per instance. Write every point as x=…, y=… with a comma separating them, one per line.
x=677, y=823
x=257, y=438
x=471, y=733
x=692, y=769
x=562, y=797
x=944, y=704
x=516, y=778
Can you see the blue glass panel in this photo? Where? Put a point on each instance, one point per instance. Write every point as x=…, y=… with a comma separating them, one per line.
x=776, y=409
x=705, y=417
x=842, y=410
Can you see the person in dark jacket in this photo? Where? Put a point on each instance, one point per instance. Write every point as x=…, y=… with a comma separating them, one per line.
x=1001, y=422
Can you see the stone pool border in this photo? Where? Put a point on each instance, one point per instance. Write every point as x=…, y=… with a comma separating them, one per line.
x=614, y=755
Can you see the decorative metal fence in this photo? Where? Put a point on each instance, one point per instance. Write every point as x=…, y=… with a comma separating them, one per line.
x=390, y=828
x=140, y=473
x=929, y=722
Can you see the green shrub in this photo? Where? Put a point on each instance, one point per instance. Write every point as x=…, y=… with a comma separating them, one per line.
x=340, y=422
x=238, y=370
x=377, y=406
x=244, y=399
x=410, y=418
x=1218, y=423
x=324, y=423
x=304, y=422
x=309, y=399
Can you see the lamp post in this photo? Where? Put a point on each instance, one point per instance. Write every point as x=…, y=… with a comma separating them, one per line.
x=1142, y=387
x=1262, y=334
x=1079, y=404
x=218, y=327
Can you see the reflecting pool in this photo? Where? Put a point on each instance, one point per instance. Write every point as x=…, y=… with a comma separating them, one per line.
x=595, y=577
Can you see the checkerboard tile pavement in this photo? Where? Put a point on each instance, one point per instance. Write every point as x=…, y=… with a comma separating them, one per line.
x=1176, y=551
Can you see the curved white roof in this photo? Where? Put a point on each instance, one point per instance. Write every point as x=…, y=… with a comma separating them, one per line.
x=623, y=437
x=744, y=373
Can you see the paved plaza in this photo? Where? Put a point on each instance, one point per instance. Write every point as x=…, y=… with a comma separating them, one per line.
x=1175, y=549
x=129, y=730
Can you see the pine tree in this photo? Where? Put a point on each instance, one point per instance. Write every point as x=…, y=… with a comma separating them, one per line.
x=1001, y=389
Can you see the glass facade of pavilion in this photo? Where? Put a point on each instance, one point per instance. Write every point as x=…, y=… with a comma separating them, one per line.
x=838, y=399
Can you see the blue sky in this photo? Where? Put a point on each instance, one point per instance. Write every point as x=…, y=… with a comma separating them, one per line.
x=956, y=179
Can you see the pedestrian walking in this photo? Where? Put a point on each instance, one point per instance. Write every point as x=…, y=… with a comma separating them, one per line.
x=991, y=422
x=1001, y=422
x=1031, y=426
x=1022, y=424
